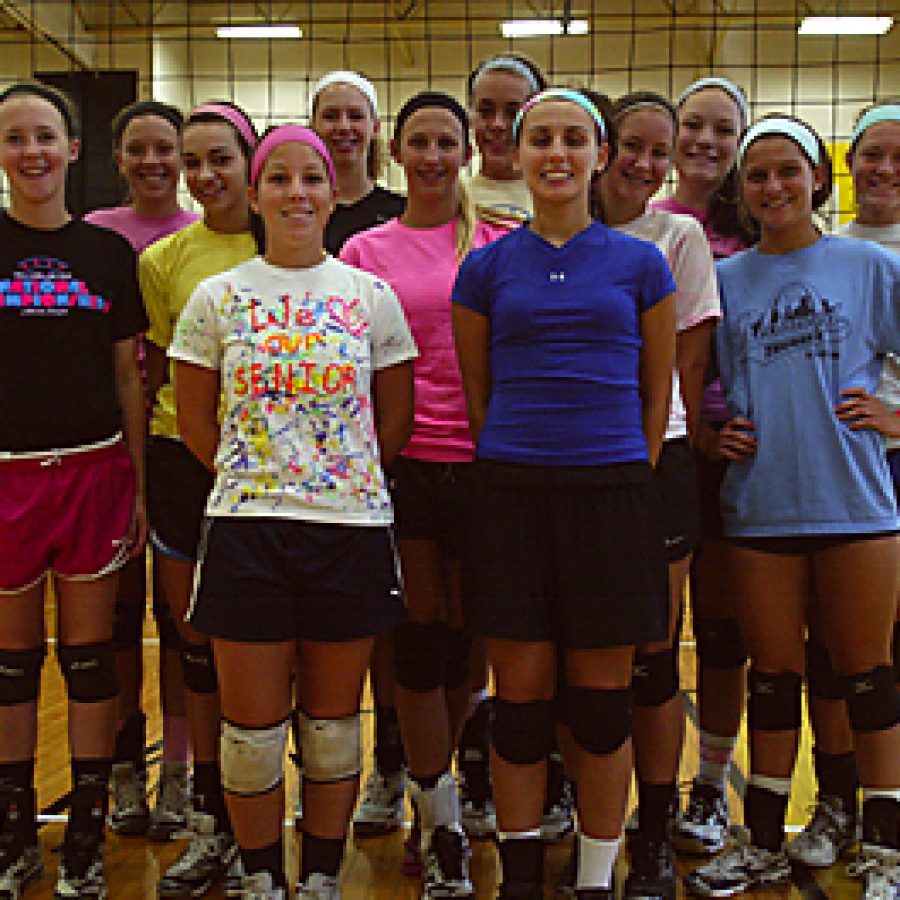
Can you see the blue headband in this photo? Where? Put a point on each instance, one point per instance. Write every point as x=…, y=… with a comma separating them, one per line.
x=796, y=131
x=560, y=94
x=723, y=84
x=890, y=112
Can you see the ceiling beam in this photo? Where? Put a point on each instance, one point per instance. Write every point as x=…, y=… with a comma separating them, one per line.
x=55, y=23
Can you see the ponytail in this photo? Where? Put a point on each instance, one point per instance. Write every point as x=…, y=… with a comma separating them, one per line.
x=466, y=221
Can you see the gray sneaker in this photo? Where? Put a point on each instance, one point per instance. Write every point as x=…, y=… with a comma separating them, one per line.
x=205, y=860
x=319, y=887
x=169, y=817
x=879, y=867
x=830, y=833
x=129, y=814
x=19, y=866
x=258, y=886
x=742, y=867
x=380, y=808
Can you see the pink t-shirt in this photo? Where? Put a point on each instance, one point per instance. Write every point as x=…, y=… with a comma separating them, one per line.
x=140, y=231
x=420, y=265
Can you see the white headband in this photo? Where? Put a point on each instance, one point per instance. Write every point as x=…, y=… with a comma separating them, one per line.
x=341, y=76
x=890, y=112
x=723, y=84
x=796, y=131
x=507, y=64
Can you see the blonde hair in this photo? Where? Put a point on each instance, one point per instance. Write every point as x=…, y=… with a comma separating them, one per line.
x=466, y=220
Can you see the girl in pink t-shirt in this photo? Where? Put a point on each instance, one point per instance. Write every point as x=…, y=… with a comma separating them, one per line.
x=418, y=255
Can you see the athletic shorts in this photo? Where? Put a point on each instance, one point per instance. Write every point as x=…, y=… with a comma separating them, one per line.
x=803, y=544
x=572, y=555
x=675, y=479
x=431, y=502
x=65, y=513
x=178, y=485
x=282, y=580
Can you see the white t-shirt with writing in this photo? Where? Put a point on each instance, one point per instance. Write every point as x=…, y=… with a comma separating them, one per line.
x=296, y=350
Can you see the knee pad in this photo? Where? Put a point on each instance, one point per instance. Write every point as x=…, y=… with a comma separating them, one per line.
x=252, y=759
x=199, y=668
x=89, y=671
x=128, y=622
x=330, y=748
x=169, y=638
x=459, y=645
x=600, y=719
x=821, y=679
x=873, y=700
x=655, y=677
x=774, y=703
x=719, y=643
x=20, y=675
x=420, y=655
x=522, y=733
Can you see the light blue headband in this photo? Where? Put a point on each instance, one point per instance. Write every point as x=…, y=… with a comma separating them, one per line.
x=796, y=131
x=887, y=113
x=560, y=94
x=508, y=64
x=714, y=81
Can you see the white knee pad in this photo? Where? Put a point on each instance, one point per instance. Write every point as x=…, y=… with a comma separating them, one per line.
x=252, y=758
x=330, y=748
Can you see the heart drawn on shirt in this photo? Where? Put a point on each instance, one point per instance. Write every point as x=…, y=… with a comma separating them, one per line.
x=348, y=314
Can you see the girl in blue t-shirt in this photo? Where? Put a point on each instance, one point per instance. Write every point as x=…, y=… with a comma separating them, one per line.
x=808, y=504
x=565, y=335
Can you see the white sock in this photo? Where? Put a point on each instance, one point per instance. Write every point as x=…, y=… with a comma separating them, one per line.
x=596, y=862
x=715, y=758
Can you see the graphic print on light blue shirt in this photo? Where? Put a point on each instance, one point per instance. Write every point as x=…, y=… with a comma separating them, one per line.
x=798, y=329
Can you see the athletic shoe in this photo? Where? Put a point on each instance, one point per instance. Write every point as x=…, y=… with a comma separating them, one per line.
x=81, y=868
x=129, y=814
x=446, y=865
x=479, y=819
x=559, y=816
x=203, y=861
x=19, y=866
x=740, y=868
x=169, y=816
x=652, y=875
x=258, y=886
x=829, y=833
x=381, y=807
x=233, y=879
x=703, y=826
x=319, y=887
x=879, y=867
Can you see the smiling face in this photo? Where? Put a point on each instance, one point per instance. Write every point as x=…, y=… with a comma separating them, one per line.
x=496, y=98
x=709, y=126
x=215, y=172
x=148, y=159
x=294, y=197
x=875, y=166
x=345, y=120
x=36, y=151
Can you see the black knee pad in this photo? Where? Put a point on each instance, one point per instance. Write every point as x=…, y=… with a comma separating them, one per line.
x=873, y=699
x=522, y=733
x=774, y=703
x=420, y=655
x=199, y=668
x=20, y=675
x=89, y=670
x=459, y=646
x=169, y=638
x=128, y=623
x=600, y=719
x=821, y=679
x=655, y=677
x=719, y=643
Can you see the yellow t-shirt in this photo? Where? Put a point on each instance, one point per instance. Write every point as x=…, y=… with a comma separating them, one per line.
x=169, y=271
x=501, y=202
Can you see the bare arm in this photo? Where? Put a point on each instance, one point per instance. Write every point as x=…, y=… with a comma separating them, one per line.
x=655, y=375
x=393, y=395
x=197, y=402
x=470, y=330
x=157, y=369
x=691, y=356
x=130, y=393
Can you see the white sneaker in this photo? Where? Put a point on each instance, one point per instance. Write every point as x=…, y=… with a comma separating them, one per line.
x=129, y=814
x=19, y=866
x=828, y=834
x=258, y=886
x=446, y=865
x=880, y=869
x=169, y=816
x=81, y=871
x=381, y=805
x=319, y=887
x=703, y=826
x=740, y=868
x=205, y=859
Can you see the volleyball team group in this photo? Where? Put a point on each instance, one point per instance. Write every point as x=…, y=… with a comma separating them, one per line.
x=496, y=424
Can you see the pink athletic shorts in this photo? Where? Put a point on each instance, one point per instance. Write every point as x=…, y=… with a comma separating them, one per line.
x=66, y=513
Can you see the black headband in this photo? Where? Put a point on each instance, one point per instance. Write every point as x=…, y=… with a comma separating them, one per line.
x=147, y=108
x=432, y=100
x=33, y=89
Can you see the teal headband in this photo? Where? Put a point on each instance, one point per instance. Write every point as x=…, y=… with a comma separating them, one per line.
x=890, y=112
x=796, y=131
x=560, y=94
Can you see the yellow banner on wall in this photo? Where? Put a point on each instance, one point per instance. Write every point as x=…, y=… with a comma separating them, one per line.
x=843, y=197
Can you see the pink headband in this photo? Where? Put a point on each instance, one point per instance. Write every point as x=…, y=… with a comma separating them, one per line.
x=232, y=116
x=290, y=133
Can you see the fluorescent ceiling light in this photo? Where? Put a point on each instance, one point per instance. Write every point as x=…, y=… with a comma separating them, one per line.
x=259, y=31
x=846, y=25
x=514, y=28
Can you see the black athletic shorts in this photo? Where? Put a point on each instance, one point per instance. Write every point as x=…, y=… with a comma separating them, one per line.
x=803, y=544
x=675, y=478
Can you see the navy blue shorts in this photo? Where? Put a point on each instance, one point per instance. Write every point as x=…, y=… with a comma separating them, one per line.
x=262, y=580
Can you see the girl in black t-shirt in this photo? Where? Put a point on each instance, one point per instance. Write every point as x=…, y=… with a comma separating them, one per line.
x=71, y=477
